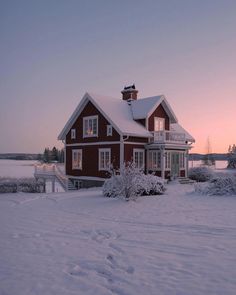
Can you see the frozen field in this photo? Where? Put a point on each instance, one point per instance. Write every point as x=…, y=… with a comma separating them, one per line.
x=17, y=168
x=82, y=243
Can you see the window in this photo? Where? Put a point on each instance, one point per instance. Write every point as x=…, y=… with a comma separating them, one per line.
x=90, y=126
x=104, y=159
x=181, y=160
x=167, y=160
x=73, y=133
x=159, y=124
x=154, y=160
x=77, y=159
x=138, y=158
x=109, y=130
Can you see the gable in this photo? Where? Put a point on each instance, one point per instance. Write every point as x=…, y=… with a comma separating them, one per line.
x=161, y=113
x=115, y=111
x=90, y=110
x=144, y=108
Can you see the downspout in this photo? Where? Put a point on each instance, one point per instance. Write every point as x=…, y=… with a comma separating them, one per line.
x=122, y=149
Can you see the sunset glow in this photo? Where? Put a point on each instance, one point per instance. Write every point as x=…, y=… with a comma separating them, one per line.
x=52, y=52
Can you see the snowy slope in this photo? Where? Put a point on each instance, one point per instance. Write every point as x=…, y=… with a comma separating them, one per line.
x=82, y=243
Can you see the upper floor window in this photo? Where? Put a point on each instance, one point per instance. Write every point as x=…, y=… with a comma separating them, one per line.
x=90, y=126
x=109, y=130
x=77, y=159
x=104, y=159
x=159, y=124
x=138, y=158
x=73, y=133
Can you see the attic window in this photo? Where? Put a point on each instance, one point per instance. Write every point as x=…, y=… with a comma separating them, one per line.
x=90, y=126
x=109, y=130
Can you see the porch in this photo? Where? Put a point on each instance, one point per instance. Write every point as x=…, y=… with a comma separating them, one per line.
x=167, y=136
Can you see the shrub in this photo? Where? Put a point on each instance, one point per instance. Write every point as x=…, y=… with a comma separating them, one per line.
x=200, y=174
x=218, y=186
x=131, y=183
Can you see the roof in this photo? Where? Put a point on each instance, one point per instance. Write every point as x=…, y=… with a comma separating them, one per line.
x=115, y=110
x=122, y=115
x=178, y=128
x=144, y=107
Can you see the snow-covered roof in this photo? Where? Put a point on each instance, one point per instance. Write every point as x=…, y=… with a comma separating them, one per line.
x=178, y=128
x=144, y=107
x=117, y=111
x=122, y=115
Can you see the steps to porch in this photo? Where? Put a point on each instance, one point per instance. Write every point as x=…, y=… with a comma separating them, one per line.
x=52, y=172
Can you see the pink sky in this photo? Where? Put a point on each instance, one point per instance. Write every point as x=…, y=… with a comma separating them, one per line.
x=52, y=53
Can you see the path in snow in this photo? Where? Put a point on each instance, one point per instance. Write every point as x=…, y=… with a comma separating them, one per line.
x=82, y=243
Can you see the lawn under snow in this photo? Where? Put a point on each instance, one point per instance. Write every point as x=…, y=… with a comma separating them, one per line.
x=82, y=243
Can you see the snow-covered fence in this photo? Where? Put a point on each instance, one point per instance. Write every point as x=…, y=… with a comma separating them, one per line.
x=27, y=185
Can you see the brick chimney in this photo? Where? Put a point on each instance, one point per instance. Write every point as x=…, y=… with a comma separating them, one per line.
x=129, y=93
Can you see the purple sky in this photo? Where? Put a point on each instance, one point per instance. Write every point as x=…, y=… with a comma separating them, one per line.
x=52, y=52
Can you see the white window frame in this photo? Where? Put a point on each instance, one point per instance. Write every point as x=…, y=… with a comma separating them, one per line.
x=103, y=166
x=159, y=124
x=109, y=130
x=78, y=152
x=139, y=165
x=167, y=160
x=181, y=160
x=88, y=119
x=154, y=160
x=73, y=133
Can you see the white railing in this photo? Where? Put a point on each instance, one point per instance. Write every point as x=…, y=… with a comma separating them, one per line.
x=168, y=136
x=47, y=170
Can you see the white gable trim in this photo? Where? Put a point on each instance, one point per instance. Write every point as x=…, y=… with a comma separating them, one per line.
x=86, y=98
x=166, y=107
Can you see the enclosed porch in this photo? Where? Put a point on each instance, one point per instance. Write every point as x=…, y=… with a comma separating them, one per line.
x=167, y=163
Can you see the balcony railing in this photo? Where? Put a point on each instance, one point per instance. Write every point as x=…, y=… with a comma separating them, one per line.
x=166, y=136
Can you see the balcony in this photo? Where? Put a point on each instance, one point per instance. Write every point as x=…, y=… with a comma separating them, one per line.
x=167, y=136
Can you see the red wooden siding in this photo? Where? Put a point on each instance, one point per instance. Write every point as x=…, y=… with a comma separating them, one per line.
x=90, y=164
x=161, y=113
x=91, y=110
x=136, y=139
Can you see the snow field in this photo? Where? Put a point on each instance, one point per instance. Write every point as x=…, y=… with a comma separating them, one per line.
x=83, y=243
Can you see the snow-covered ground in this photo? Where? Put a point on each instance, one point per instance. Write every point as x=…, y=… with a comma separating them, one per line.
x=82, y=243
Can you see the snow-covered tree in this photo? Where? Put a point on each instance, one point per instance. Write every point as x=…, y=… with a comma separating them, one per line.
x=232, y=157
x=208, y=159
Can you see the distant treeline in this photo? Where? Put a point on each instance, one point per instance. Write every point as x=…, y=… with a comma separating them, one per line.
x=18, y=156
x=201, y=157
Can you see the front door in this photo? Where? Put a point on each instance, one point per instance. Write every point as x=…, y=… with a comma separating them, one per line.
x=175, y=164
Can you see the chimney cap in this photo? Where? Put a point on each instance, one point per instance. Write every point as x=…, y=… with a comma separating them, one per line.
x=129, y=88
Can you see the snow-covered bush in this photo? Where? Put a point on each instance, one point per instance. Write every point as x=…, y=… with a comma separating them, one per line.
x=219, y=185
x=27, y=185
x=131, y=182
x=232, y=157
x=151, y=185
x=200, y=174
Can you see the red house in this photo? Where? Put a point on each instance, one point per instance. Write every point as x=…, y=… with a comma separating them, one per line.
x=105, y=131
